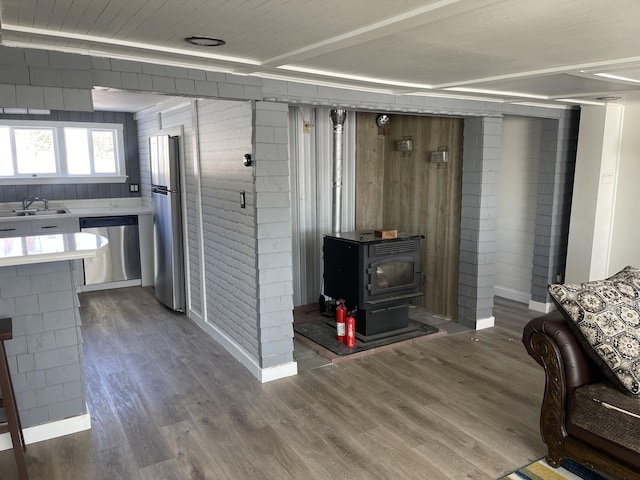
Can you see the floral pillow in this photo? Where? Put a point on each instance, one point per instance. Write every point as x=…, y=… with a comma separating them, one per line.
x=605, y=315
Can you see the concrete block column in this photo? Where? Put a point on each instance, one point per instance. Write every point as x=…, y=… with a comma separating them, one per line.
x=45, y=353
x=273, y=237
x=480, y=190
x=555, y=189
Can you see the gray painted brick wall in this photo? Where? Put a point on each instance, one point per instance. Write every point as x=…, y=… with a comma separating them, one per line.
x=224, y=131
x=558, y=157
x=273, y=222
x=147, y=125
x=45, y=80
x=480, y=177
x=247, y=251
x=45, y=353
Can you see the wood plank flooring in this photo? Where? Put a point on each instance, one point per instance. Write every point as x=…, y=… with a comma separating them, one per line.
x=167, y=402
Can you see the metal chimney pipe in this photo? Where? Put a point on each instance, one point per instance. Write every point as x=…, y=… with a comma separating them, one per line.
x=337, y=117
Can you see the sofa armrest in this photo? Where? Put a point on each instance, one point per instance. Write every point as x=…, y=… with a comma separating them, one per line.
x=578, y=368
x=550, y=341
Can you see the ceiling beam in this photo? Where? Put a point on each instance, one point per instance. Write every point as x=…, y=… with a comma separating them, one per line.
x=594, y=66
x=418, y=17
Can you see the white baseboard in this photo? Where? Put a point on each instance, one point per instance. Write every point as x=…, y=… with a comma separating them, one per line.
x=47, y=431
x=511, y=294
x=541, y=307
x=106, y=286
x=239, y=353
x=279, y=371
x=483, y=323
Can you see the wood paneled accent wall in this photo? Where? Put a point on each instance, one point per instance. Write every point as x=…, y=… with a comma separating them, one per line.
x=411, y=194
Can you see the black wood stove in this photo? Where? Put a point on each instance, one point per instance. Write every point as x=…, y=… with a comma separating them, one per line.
x=379, y=276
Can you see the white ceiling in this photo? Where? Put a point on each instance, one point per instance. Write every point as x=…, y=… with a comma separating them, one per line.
x=512, y=50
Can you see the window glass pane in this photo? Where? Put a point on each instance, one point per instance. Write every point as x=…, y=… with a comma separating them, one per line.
x=104, y=158
x=77, y=146
x=34, y=151
x=6, y=165
x=33, y=148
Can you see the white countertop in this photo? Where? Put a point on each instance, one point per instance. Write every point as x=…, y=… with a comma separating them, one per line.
x=77, y=209
x=107, y=211
x=49, y=248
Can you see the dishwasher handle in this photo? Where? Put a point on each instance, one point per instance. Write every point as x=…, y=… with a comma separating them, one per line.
x=115, y=221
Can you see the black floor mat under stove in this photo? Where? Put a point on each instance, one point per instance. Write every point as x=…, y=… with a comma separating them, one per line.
x=323, y=333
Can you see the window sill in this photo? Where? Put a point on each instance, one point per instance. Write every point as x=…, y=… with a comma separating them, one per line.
x=62, y=180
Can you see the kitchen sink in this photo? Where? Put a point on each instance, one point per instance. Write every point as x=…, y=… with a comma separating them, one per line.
x=33, y=212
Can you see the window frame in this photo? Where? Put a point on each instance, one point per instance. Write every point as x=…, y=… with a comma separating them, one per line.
x=60, y=148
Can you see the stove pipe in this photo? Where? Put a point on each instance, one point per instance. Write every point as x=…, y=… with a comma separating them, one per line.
x=337, y=117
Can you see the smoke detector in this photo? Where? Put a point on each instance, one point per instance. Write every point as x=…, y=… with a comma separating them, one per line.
x=205, y=41
x=608, y=98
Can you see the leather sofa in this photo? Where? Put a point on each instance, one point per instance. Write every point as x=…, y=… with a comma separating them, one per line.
x=584, y=417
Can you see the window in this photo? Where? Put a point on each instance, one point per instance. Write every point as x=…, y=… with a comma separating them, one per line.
x=61, y=152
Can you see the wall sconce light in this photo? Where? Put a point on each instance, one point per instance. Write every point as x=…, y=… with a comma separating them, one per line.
x=247, y=160
x=440, y=156
x=383, y=120
x=405, y=146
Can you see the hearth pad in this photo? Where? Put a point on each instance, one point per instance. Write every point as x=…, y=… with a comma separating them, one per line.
x=323, y=333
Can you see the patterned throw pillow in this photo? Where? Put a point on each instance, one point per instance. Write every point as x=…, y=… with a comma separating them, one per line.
x=605, y=315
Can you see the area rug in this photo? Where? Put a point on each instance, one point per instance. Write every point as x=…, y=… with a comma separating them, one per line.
x=541, y=470
x=323, y=333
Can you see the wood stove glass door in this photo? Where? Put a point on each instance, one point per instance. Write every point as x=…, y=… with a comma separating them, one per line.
x=392, y=276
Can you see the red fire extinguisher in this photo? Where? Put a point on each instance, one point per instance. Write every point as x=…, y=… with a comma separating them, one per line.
x=350, y=340
x=341, y=315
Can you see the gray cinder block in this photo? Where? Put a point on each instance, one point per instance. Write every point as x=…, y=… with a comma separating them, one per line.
x=8, y=97
x=29, y=96
x=163, y=84
x=229, y=90
x=67, y=408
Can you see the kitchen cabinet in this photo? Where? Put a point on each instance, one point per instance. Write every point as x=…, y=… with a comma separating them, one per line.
x=21, y=228
x=43, y=224
x=15, y=229
x=54, y=225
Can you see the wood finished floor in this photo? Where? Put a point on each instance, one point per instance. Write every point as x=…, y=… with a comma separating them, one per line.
x=167, y=402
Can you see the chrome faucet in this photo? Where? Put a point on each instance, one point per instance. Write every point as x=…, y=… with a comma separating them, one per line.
x=26, y=202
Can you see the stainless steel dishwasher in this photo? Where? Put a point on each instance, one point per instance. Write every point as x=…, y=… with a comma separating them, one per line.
x=121, y=261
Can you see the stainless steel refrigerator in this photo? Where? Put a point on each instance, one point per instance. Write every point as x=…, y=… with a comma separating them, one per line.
x=167, y=221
